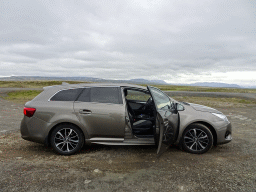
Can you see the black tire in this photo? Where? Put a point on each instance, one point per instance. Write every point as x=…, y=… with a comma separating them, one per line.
x=197, y=139
x=67, y=139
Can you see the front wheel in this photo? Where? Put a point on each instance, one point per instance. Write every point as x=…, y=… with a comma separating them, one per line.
x=67, y=139
x=197, y=139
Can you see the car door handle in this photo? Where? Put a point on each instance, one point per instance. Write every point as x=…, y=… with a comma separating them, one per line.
x=85, y=111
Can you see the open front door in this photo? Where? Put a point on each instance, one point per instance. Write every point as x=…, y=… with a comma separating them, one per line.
x=167, y=120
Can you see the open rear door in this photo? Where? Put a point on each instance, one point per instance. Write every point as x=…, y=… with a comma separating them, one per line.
x=167, y=120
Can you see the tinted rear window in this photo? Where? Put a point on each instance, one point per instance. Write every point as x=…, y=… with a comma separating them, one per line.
x=101, y=95
x=66, y=95
x=105, y=95
x=85, y=95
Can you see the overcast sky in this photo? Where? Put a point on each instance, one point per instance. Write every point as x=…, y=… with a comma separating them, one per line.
x=177, y=41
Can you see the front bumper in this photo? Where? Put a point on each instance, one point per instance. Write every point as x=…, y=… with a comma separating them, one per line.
x=224, y=134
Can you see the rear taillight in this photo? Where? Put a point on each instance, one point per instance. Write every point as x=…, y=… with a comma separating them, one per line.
x=29, y=112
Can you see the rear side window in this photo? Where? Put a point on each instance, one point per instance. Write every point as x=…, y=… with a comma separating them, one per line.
x=66, y=95
x=85, y=95
x=105, y=95
x=137, y=95
x=101, y=95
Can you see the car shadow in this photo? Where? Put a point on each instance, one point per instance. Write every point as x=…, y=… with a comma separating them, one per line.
x=36, y=148
x=146, y=149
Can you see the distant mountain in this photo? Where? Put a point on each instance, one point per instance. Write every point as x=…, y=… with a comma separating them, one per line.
x=251, y=87
x=88, y=79
x=215, y=84
x=29, y=78
x=145, y=81
x=135, y=81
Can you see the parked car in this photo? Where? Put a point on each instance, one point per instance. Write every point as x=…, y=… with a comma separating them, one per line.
x=70, y=115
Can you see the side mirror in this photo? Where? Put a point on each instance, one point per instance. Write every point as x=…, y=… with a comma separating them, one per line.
x=179, y=107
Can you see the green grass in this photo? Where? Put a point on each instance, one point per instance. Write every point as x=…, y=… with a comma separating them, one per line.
x=22, y=96
x=216, y=102
x=40, y=84
x=34, y=84
x=202, y=89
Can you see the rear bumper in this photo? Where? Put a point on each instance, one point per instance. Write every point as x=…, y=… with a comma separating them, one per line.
x=33, y=129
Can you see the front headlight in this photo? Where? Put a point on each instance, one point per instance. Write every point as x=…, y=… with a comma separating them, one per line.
x=221, y=116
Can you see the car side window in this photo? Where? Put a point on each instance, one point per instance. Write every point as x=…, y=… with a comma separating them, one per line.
x=66, y=95
x=85, y=95
x=101, y=95
x=162, y=100
x=106, y=95
x=137, y=95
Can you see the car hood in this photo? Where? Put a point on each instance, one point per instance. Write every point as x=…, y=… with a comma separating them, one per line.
x=203, y=108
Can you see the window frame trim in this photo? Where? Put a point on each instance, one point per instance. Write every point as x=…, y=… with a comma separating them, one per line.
x=139, y=90
x=49, y=100
x=121, y=88
x=119, y=99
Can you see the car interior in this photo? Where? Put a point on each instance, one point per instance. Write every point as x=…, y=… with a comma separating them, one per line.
x=141, y=111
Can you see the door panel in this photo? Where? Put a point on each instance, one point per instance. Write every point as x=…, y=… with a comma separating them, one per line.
x=101, y=119
x=171, y=123
x=166, y=129
x=159, y=137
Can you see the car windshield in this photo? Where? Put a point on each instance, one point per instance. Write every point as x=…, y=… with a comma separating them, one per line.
x=161, y=99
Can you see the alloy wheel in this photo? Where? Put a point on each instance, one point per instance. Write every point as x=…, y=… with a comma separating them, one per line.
x=196, y=139
x=66, y=139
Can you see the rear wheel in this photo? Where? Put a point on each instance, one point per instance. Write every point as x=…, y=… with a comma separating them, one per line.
x=197, y=139
x=67, y=139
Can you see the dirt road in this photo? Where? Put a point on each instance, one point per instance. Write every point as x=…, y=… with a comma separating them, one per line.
x=172, y=93
x=27, y=166
x=212, y=94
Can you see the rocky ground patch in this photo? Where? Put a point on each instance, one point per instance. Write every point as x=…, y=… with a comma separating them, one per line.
x=27, y=166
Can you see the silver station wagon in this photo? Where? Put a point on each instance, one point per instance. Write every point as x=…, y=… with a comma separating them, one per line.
x=69, y=116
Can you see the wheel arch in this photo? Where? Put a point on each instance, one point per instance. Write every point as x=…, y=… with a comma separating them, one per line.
x=208, y=125
x=47, y=139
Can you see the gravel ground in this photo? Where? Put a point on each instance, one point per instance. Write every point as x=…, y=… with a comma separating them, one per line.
x=27, y=166
x=10, y=116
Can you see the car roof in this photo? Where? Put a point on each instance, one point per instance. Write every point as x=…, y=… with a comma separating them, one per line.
x=72, y=86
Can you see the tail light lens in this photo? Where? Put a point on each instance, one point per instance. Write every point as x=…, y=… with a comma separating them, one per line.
x=29, y=112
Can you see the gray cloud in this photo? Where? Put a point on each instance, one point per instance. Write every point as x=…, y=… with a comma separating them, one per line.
x=177, y=41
